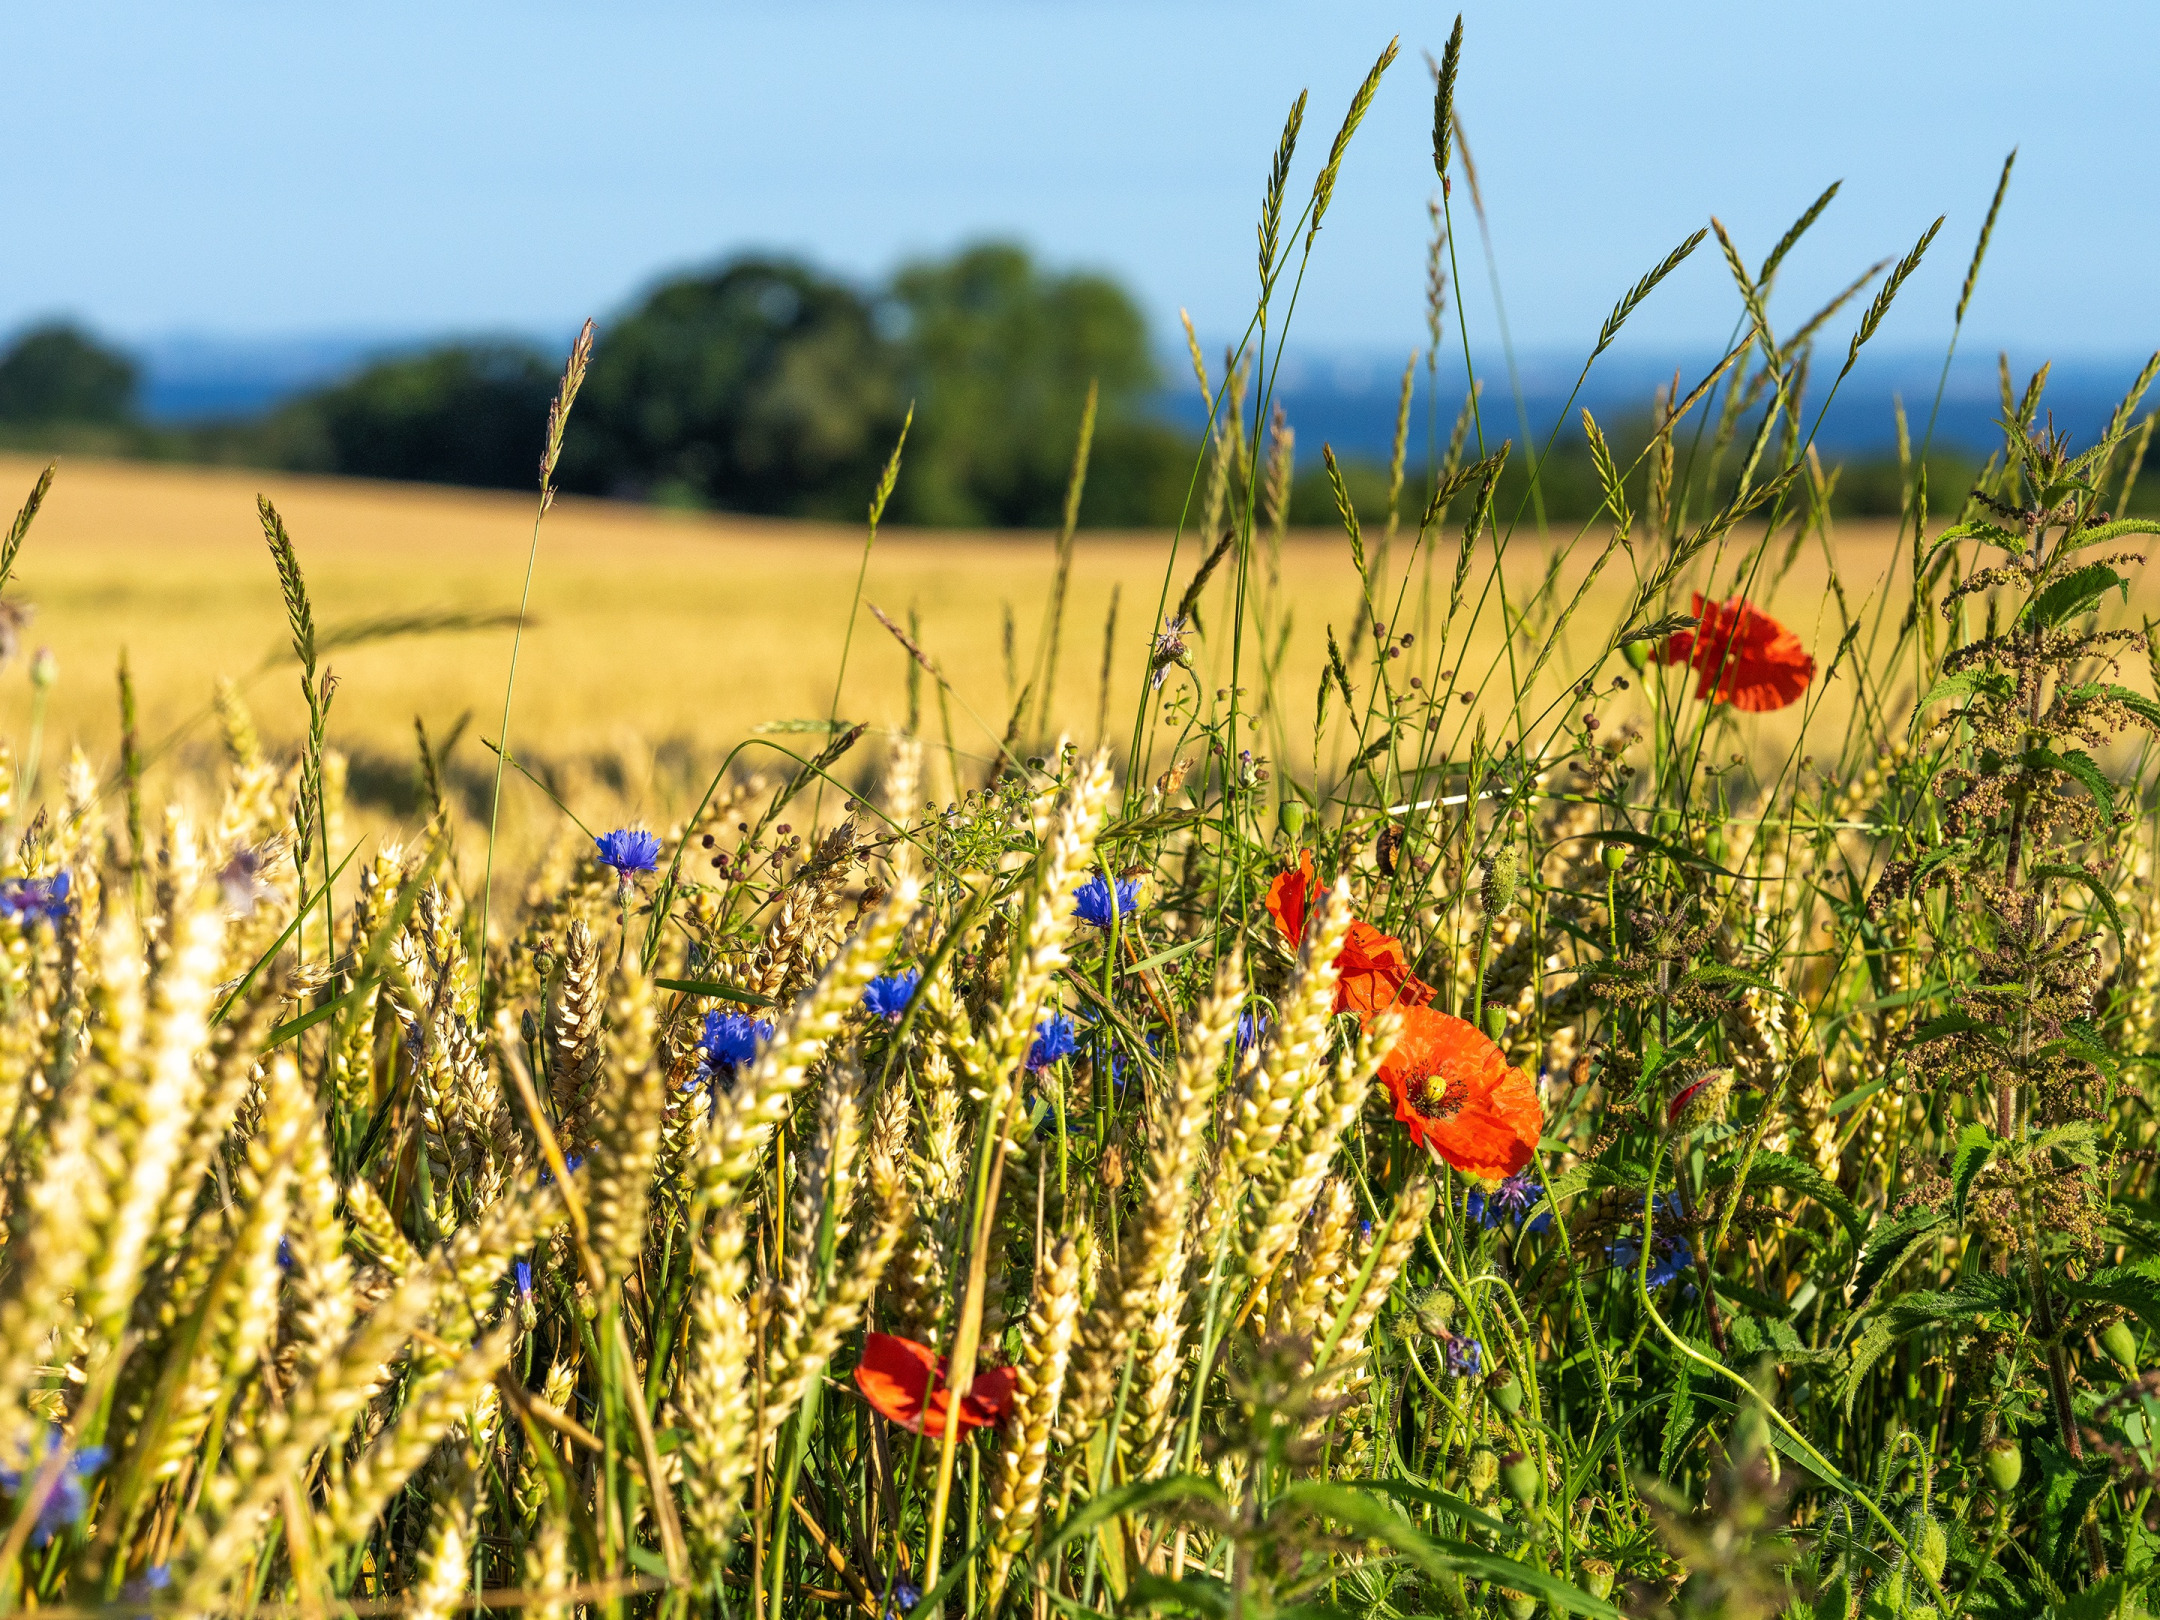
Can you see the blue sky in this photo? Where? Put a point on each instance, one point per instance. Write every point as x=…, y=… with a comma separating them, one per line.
x=249, y=169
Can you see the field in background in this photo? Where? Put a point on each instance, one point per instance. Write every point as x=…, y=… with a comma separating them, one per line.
x=651, y=630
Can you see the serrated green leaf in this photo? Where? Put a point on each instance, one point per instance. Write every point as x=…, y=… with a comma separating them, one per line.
x=1679, y=1420
x=1964, y=684
x=1874, y=1343
x=1976, y=1146
x=1794, y=1175
x=2074, y=593
x=2135, y=1287
x=1956, y=1023
x=1887, y=1246
x=2098, y=890
x=2079, y=765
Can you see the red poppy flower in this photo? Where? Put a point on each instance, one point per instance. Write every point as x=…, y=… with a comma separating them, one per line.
x=895, y=1377
x=1741, y=656
x=1455, y=1091
x=1373, y=973
x=1288, y=895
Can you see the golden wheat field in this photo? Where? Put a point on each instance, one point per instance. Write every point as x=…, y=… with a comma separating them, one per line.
x=654, y=629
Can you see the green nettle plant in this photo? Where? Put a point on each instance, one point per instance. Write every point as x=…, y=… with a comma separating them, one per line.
x=2008, y=890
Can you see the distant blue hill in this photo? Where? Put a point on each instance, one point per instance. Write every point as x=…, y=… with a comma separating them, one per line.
x=1349, y=400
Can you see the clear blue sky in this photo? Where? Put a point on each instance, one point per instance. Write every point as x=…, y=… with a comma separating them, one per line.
x=246, y=168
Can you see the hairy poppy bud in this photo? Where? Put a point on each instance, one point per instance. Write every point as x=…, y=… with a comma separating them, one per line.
x=1520, y=1475
x=1505, y=1391
x=1597, y=1578
x=1503, y=879
x=2003, y=1462
x=1435, y=1310
x=2121, y=1345
x=1484, y=1471
x=1701, y=1102
x=1891, y=1590
x=1930, y=1545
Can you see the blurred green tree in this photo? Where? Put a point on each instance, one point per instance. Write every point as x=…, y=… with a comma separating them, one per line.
x=461, y=414
x=59, y=373
x=998, y=355
x=762, y=386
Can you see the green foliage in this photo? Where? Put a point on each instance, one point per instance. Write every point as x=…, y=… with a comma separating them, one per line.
x=58, y=373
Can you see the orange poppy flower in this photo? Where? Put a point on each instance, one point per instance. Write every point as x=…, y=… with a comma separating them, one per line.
x=1373, y=973
x=895, y=1376
x=1741, y=656
x=1455, y=1091
x=1288, y=895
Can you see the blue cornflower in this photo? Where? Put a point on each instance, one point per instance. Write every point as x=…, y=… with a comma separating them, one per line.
x=731, y=1039
x=1672, y=1260
x=1091, y=901
x=154, y=1579
x=570, y=1164
x=30, y=901
x=1465, y=1356
x=1252, y=1028
x=1055, y=1038
x=887, y=996
x=524, y=1279
x=1515, y=1196
x=70, y=1494
x=284, y=1254
x=905, y=1595
x=629, y=849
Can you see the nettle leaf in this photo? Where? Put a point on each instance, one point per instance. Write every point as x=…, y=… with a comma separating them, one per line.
x=1887, y=1247
x=1976, y=1296
x=1976, y=1146
x=1717, y=973
x=1794, y=1175
x=2135, y=1287
x=1875, y=1342
x=1679, y=1420
x=1965, y=684
x=2098, y=890
x=2074, y=593
x=1957, y=1023
x=2080, y=765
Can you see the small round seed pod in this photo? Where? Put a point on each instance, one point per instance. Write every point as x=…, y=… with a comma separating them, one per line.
x=1290, y=817
x=1519, y=1605
x=2120, y=1343
x=1597, y=1578
x=2003, y=1462
x=1505, y=1390
x=1519, y=1473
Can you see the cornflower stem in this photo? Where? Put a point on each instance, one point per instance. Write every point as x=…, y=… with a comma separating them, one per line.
x=1767, y=1406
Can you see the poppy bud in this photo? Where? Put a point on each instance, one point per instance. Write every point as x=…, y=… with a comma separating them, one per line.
x=1614, y=857
x=1637, y=653
x=1930, y=1545
x=1505, y=1391
x=1503, y=879
x=44, y=670
x=1290, y=817
x=1484, y=1471
x=2003, y=1462
x=1701, y=1102
x=1435, y=1310
x=1597, y=1578
x=1519, y=1605
x=2121, y=1345
x=1520, y=1475
x=1891, y=1590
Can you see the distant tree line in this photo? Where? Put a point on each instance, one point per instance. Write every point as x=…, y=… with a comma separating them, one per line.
x=768, y=386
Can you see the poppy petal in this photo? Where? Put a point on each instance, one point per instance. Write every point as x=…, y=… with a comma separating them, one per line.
x=1288, y=895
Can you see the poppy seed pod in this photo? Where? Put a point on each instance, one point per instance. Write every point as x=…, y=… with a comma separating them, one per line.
x=2121, y=1345
x=1519, y=1474
x=1637, y=653
x=1506, y=1391
x=1519, y=1605
x=1290, y=817
x=1597, y=1578
x=1503, y=879
x=2003, y=1462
